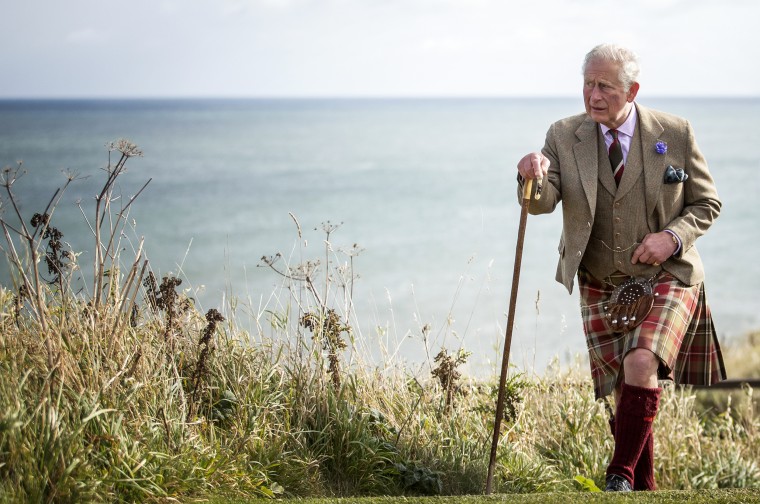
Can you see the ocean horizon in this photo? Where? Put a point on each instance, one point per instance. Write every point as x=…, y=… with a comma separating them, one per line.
x=425, y=187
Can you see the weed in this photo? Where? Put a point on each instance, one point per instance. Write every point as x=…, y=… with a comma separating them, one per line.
x=213, y=317
x=447, y=373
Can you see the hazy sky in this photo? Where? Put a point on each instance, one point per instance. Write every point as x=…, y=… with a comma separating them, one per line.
x=236, y=48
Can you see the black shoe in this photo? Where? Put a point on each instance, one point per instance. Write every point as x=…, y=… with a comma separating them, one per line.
x=617, y=483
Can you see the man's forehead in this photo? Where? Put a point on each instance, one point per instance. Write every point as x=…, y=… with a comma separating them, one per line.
x=602, y=71
x=601, y=77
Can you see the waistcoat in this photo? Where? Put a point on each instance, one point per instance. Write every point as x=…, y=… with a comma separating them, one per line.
x=620, y=221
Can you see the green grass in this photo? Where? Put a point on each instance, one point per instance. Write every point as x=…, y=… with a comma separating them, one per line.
x=732, y=496
x=113, y=387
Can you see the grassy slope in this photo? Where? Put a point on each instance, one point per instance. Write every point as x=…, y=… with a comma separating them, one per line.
x=103, y=403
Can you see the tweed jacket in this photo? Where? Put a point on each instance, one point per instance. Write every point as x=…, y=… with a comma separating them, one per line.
x=574, y=178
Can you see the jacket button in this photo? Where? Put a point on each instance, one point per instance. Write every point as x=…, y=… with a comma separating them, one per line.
x=580, y=253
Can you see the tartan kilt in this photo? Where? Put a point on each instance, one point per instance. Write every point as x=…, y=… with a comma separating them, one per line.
x=679, y=330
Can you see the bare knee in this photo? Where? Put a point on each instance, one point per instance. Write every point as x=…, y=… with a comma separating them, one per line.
x=640, y=367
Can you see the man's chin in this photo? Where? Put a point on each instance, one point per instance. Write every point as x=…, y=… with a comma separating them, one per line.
x=598, y=116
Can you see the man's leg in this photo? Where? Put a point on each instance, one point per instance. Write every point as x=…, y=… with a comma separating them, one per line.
x=643, y=474
x=636, y=408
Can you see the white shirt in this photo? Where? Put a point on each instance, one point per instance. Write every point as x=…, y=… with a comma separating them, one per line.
x=625, y=133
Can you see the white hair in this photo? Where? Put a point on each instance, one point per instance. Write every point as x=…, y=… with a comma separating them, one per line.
x=625, y=58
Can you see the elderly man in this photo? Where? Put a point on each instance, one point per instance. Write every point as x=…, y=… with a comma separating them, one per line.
x=636, y=194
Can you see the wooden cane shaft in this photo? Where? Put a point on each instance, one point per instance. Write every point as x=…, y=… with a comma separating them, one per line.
x=508, y=336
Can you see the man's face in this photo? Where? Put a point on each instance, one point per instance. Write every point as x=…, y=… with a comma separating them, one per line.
x=606, y=99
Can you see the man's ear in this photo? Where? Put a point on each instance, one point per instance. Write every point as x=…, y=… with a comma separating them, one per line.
x=633, y=91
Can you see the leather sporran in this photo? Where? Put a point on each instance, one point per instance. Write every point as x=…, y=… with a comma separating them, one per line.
x=629, y=304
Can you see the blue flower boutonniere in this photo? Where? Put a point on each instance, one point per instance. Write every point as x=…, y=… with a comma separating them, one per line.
x=661, y=147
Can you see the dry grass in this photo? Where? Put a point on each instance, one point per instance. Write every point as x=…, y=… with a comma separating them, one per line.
x=124, y=392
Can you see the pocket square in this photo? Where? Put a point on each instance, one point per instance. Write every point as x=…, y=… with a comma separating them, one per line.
x=675, y=175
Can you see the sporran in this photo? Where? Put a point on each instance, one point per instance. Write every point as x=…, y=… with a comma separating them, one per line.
x=629, y=304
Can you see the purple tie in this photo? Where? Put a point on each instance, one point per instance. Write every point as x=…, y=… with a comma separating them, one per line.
x=616, y=157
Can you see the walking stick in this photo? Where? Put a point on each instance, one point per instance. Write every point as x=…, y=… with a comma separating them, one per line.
x=510, y=322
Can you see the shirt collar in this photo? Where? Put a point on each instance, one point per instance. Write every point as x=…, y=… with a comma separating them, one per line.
x=628, y=127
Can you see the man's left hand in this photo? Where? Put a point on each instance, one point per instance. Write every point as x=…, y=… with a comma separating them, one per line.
x=655, y=249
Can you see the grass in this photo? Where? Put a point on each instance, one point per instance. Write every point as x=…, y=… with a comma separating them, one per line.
x=732, y=496
x=113, y=387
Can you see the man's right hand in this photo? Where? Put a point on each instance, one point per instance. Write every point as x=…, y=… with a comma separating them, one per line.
x=533, y=166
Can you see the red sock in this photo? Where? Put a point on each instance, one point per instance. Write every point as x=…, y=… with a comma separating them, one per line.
x=633, y=428
x=643, y=474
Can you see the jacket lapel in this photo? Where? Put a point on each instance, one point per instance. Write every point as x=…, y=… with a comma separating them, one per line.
x=606, y=176
x=650, y=131
x=587, y=159
x=633, y=166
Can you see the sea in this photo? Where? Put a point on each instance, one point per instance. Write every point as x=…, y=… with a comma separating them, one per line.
x=402, y=211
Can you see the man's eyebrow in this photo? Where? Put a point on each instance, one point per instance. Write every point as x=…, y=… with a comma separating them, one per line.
x=600, y=80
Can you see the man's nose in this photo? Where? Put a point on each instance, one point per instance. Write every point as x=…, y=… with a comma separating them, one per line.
x=596, y=94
